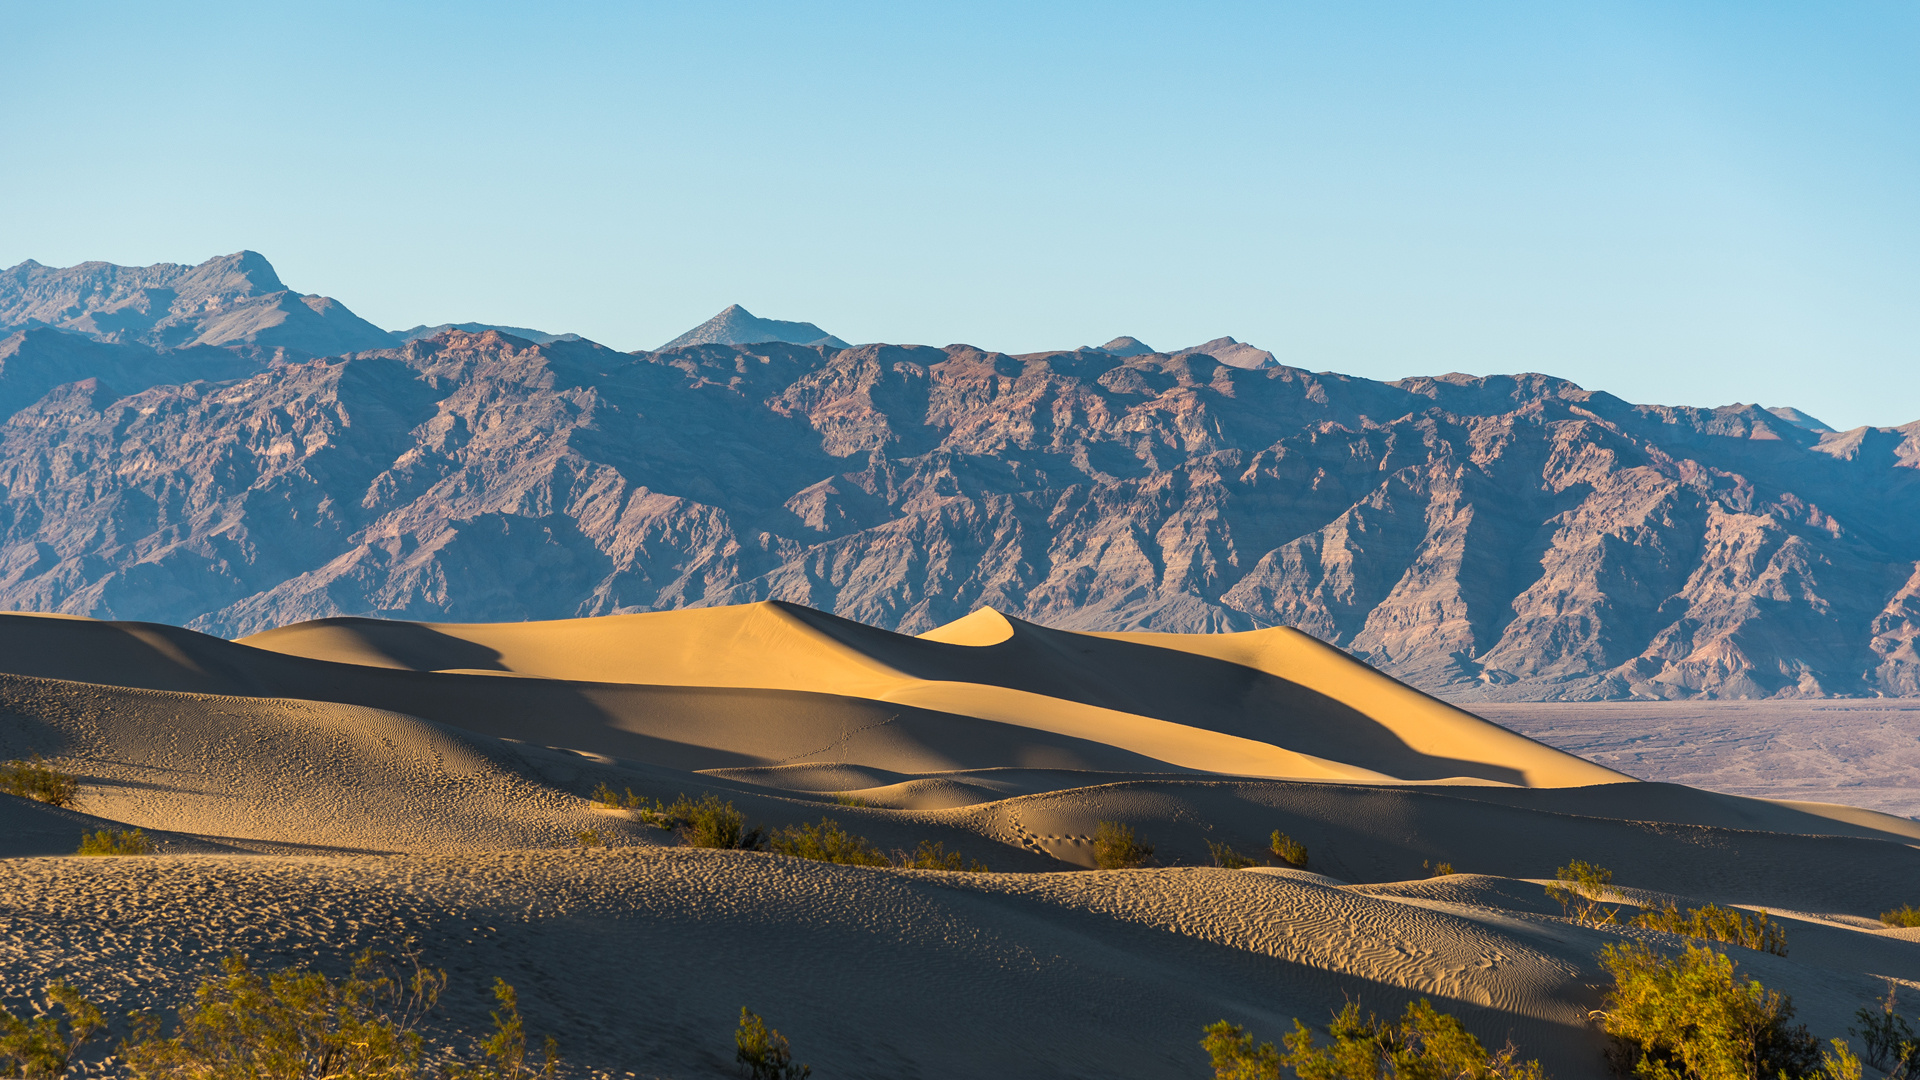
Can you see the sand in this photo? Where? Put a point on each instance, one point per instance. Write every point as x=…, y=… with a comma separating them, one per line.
x=347, y=783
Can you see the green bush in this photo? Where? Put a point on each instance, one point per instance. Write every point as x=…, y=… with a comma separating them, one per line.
x=1226, y=858
x=1433, y=869
x=1715, y=923
x=35, y=779
x=1891, y=1045
x=44, y=1046
x=1690, y=1016
x=605, y=796
x=1116, y=848
x=765, y=1053
x=827, y=842
x=588, y=838
x=115, y=842
x=933, y=855
x=704, y=823
x=843, y=799
x=1426, y=1044
x=297, y=1023
x=1906, y=915
x=1580, y=889
x=1288, y=850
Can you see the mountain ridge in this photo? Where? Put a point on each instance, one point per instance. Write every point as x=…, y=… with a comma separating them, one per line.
x=1484, y=538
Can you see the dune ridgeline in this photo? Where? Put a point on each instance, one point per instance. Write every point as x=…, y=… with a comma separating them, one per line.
x=333, y=785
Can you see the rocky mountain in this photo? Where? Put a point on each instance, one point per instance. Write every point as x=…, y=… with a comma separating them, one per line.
x=1509, y=537
x=231, y=300
x=738, y=326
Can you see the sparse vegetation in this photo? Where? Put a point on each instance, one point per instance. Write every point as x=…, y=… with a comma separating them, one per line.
x=1690, y=1016
x=35, y=779
x=827, y=842
x=706, y=822
x=1442, y=869
x=1225, y=857
x=1904, y=916
x=1426, y=1044
x=844, y=799
x=604, y=796
x=1116, y=848
x=1891, y=1045
x=1288, y=850
x=588, y=838
x=297, y=1023
x=44, y=1045
x=1580, y=889
x=933, y=855
x=765, y=1053
x=115, y=842
x=1716, y=923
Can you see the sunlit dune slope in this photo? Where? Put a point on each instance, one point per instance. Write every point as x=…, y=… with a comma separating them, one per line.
x=1271, y=703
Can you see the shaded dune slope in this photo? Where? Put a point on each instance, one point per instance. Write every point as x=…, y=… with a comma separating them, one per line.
x=395, y=780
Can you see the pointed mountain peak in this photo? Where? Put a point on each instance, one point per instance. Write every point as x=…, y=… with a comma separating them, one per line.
x=738, y=326
x=246, y=273
x=1125, y=345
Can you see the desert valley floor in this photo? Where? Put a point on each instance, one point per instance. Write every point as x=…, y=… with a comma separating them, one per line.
x=349, y=782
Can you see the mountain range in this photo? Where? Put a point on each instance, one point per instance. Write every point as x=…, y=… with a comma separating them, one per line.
x=203, y=446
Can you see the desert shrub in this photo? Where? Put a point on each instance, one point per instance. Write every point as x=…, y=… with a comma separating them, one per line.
x=1426, y=1044
x=705, y=823
x=827, y=842
x=1580, y=889
x=1690, y=1016
x=1906, y=915
x=35, y=779
x=1288, y=850
x=506, y=1049
x=1235, y=1057
x=588, y=838
x=1225, y=857
x=1116, y=848
x=843, y=799
x=44, y=1045
x=933, y=855
x=115, y=842
x=765, y=1053
x=1716, y=923
x=605, y=796
x=297, y=1024
x=1444, y=869
x=1891, y=1045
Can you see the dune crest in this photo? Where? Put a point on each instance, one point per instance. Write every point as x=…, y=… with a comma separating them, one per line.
x=1302, y=710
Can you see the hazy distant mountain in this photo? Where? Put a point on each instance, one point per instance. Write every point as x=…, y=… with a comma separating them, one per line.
x=538, y=337
x=1799, y=419
x=231, y=300
x=1127, y=346
x=1512, y=536
x=738, y=326
x=1232, y=353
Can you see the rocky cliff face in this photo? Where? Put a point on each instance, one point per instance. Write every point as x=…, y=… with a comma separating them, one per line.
x=1508, y=537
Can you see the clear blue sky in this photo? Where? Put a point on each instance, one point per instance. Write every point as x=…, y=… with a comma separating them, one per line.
x=1680, y=203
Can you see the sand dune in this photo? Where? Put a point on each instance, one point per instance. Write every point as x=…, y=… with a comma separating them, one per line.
x=354, y=781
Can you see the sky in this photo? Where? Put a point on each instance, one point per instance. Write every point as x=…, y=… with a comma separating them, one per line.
x=1689, y=204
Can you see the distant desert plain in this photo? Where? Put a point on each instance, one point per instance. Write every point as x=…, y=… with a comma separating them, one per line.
x=344, y=783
